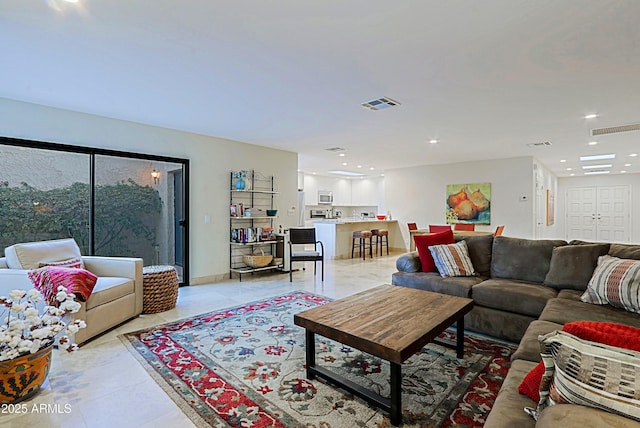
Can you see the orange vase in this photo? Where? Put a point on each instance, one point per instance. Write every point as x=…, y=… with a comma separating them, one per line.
x=22, y=377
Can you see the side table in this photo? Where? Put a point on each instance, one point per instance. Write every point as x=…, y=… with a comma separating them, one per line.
x=160, y=289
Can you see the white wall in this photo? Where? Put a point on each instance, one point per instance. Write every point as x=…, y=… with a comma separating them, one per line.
x=632, y=180
x=211, y=160
x=418, y=194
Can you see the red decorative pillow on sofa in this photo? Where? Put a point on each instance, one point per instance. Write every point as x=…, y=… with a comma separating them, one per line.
x=423, y=242
x=608, y=333
x=47, y=279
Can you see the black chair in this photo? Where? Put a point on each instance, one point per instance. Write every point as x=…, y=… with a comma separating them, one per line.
x=305, y=236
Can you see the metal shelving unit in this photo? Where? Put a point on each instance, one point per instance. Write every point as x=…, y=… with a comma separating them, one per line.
x=251, y=233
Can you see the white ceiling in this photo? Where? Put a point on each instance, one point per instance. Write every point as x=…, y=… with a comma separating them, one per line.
x=485, y=78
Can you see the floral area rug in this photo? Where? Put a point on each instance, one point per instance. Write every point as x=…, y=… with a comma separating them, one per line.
x=245, y=366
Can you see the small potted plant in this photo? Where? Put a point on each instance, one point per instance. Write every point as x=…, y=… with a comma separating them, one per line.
x=28, y=330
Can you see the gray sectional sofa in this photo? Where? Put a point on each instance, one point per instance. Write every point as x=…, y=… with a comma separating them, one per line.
x=523, y=291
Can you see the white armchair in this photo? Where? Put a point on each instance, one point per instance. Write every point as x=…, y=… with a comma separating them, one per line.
x=116, y=297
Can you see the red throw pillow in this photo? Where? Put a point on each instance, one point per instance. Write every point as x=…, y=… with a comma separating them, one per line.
x=423, y=242
x=47, y=279
x=608, y=333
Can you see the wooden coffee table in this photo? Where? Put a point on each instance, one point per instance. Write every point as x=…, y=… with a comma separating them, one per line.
x=389, y=322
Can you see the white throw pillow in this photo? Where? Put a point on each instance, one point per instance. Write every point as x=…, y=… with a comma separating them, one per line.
x=615, y=282
x=452, y=259
x=30, y=255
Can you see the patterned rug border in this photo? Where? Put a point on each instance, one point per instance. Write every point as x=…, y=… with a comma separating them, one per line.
x=129, y=339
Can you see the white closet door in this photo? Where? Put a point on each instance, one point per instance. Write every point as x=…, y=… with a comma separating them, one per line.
x=581, y=213
x=598, y=213
x=613, y=214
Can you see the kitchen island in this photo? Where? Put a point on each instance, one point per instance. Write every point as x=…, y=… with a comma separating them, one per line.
x=336, y=235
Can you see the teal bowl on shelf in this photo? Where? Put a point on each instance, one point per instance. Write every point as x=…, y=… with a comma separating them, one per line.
x=272, y=213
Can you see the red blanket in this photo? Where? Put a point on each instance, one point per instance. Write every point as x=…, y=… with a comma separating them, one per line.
x=47, y=279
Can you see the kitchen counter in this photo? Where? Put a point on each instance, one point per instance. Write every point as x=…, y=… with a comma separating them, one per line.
x=336, y=234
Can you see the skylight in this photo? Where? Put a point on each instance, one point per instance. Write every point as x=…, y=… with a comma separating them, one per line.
x=598, y=157
x=349, y=173
x=608, y=165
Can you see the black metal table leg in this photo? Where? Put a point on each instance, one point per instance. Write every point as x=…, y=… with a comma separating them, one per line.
x=311, y=353
x=395, y=414
x=460, y=338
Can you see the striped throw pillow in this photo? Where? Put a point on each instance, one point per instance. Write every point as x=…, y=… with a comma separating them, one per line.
x=452, y=259
x=591, y=374
x=615, y=282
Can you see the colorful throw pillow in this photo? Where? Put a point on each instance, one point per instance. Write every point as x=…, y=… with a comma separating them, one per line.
x=423, y=242
x=452, y=259
x=47, y=279
x=608, y=333
x=615, y=282
x=75, y=263
x=589, y=374
x=572, y=265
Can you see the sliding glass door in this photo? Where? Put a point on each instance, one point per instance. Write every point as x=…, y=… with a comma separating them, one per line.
x=44, y=194
x=111, y=203
x=137, y=206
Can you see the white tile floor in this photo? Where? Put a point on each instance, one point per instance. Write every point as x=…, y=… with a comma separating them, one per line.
x=103, y=385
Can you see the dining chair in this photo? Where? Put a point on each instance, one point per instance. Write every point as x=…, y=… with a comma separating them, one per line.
x=498, y=231
x=464, y=226
x=305, y=236
x=435, y=228
x=412, y=226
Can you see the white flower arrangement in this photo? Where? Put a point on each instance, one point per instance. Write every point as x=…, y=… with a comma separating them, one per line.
x=26, y=329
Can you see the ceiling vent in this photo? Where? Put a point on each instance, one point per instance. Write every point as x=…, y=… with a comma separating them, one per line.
x=541, y=144
x=380, y=103
x=615, y=129
x=335, y=149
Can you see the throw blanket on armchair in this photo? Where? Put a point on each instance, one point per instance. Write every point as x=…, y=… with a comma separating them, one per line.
x=47, y=279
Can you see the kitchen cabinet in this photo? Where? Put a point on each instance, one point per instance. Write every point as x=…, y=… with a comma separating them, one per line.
x=341, y=191
x=310, y=190
x=251, y=228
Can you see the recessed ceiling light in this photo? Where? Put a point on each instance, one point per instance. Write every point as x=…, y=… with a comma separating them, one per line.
x=344, y=164
x=349, y=173
x=314, y=173
x=627, y=164
x=572, y=174
x=371, y=168
x=569, y=169
x=71, y=1
x=608, y=165
x=596, y=172
x=591, y=116
x=433, y=141
x=592, y=143
x=598, y=157
x=633, y=155
x=358, y=166
x=623, y=172
x=341, y=155
x=563, y=160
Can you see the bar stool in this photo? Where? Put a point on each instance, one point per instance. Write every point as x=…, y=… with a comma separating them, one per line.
x=362, y=236
x=379, y=235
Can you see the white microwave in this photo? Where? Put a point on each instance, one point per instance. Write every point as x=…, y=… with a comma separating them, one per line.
x=325, y=197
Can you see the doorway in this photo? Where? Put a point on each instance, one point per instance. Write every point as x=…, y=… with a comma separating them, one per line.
x=599, y=213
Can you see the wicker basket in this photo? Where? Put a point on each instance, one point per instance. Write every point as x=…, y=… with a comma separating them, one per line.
x=257, y=261
x=160, y=289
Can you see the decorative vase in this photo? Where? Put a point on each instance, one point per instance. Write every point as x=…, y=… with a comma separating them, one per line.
x=240, y=184
x=22, y=377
